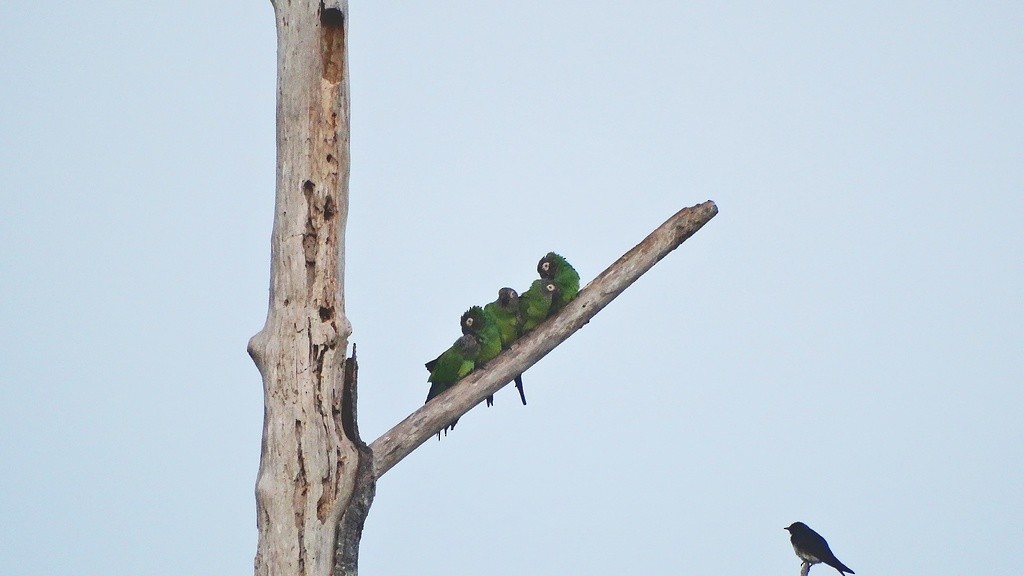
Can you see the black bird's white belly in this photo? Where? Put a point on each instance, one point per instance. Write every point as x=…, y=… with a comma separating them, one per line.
x=810, y=559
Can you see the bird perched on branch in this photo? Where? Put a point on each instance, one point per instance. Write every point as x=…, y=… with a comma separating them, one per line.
x=812, y=549
x=451, y=366
x=479, y=323
x=537, y=303
x=483, y=326
x=505, y=311
x=554, y=267
x=488, y=330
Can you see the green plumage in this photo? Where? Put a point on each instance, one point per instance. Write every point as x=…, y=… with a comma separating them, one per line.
x=479, y=323
x=505, y=311
x=536, y=303
x=453, y=365
x=488, y=330
x=554, y=267
x=482, y=325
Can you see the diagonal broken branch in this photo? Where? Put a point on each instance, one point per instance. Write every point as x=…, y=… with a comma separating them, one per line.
x=408, y=434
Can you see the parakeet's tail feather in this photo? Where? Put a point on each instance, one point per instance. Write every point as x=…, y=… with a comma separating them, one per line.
x=519, y=386
x=431, y=393
x=432, y=364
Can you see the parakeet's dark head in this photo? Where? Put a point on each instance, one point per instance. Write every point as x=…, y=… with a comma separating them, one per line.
x=547, y=266
x=508, y=298
x=467, y=345
x=550, y=289
x=473, y=320
x=550, y=265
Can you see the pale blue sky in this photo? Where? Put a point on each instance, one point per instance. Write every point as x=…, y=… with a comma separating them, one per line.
x=842, y=345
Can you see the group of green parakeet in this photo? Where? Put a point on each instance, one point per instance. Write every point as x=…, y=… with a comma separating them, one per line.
x=488, y=330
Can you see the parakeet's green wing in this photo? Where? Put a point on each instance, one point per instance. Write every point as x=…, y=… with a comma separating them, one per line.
x=455, y=363
x=505, y=311
x=480, y=323
x=451, y=366
x=554, y=267
x=535, y=303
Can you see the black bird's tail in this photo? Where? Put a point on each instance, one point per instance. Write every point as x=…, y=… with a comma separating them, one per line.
x=843, y=569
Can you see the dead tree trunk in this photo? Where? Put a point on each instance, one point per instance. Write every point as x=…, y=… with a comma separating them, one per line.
x=311, y=455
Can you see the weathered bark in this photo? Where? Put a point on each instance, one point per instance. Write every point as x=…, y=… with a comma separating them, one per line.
x=364, y=483
x=408, y=434
x=311, y=453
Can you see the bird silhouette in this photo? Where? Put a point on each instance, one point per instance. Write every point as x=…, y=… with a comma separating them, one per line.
x=812, y=549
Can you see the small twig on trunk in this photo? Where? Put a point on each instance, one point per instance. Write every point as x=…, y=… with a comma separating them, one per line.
x=408, y=434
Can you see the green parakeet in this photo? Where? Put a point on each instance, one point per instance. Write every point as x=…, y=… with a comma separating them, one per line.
x=505, y=311
x=554, y=267
x=479, y=323
x=536, y=303
x=451, y=366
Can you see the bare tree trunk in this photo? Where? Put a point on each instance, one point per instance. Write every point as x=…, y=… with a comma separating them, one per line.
x=311, y=454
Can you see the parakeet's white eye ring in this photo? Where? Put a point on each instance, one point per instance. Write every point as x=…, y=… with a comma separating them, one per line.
x=469, y=321
x=546, y=266
x=550, y=287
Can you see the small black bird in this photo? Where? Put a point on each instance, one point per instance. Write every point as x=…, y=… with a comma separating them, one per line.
x=812, y=548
